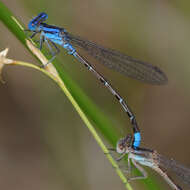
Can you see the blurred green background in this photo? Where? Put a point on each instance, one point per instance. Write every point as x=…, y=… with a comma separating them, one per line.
x=44, y=143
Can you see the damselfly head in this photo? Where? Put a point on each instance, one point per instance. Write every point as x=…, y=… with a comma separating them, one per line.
x=124, y=144
x=36, y=21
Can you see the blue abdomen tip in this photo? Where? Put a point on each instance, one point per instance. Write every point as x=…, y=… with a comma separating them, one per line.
x=137, y=139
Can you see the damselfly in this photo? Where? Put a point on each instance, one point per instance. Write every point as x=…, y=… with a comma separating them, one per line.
x=145, y=72
x=150, y=158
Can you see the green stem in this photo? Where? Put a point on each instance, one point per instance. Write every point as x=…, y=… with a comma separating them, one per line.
x=83, y=116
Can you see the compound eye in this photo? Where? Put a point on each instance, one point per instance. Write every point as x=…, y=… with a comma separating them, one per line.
x=121, y=146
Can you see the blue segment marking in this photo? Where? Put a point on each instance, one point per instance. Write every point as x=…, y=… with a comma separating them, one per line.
x=137, y=140
x=70, y=48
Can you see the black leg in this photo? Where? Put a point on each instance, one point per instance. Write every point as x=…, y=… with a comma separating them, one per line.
x=56, y=48
x=53, y=53
x=41, y=41
x=128, y=168
x=112, y=149
x=34, y=33
x=143, y=172
x=121, y=157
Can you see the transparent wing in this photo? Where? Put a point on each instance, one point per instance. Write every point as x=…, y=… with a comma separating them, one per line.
x=122, y=63
x=181, y=171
